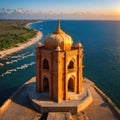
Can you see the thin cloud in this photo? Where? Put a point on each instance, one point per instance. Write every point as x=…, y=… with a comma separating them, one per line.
x=14, y=11
x=29, y=14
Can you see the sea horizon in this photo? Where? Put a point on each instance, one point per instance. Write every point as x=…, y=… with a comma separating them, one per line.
x=114, y=20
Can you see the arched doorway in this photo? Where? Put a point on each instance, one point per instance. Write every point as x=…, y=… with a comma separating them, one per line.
x=45, y=85
x=71, y=85
x=71, y=65
x=45, y=64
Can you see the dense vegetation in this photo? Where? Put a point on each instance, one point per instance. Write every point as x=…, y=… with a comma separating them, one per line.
x=14, y=32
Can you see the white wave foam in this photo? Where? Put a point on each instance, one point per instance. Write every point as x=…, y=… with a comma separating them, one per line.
x=20, y=57
x=18, y=68
x=17, y=56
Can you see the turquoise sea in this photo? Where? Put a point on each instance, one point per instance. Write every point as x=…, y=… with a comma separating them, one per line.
x=101, y=41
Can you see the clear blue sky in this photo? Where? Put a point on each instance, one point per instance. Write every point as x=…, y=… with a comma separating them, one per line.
x=76, y=9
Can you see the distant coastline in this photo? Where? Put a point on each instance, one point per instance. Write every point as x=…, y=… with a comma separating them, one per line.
x=28, y=24
x=22, y=46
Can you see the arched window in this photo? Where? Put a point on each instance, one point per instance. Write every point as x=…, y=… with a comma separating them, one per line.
x=71, y=65
x=45, y=84
x=45, y=64
x=71, y=85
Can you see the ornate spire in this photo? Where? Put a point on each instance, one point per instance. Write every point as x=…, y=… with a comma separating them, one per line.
x=58, y=31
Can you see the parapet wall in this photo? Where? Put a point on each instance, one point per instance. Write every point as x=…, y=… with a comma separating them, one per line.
x=108, y=100
x=43, y=104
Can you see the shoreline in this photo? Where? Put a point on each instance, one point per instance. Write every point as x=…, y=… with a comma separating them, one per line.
x=27, y=25
x=22, y=46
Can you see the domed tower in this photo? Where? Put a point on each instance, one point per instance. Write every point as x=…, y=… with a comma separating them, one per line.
x=58, y=38
x=59, y=66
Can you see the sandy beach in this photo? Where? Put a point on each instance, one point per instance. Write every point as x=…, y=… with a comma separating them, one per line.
x=28, y=25
x=21, y=46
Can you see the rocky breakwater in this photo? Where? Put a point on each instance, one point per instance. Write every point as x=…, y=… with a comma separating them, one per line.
x=101, y=107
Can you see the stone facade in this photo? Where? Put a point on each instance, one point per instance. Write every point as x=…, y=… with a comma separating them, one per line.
x=59, y=71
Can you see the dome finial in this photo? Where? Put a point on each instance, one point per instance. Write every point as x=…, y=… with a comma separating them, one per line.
x=58, y=31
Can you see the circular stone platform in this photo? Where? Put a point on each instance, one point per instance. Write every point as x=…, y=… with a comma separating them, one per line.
x=42, y=103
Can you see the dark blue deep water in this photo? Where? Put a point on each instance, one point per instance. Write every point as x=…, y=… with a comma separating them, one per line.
x=101, y=41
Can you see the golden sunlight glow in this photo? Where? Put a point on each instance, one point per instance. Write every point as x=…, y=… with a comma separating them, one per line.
x=118, y=11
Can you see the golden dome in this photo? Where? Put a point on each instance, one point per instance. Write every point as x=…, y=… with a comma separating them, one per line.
x=58, y=38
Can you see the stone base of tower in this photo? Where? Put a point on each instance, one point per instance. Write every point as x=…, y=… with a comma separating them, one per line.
x=42, y=103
